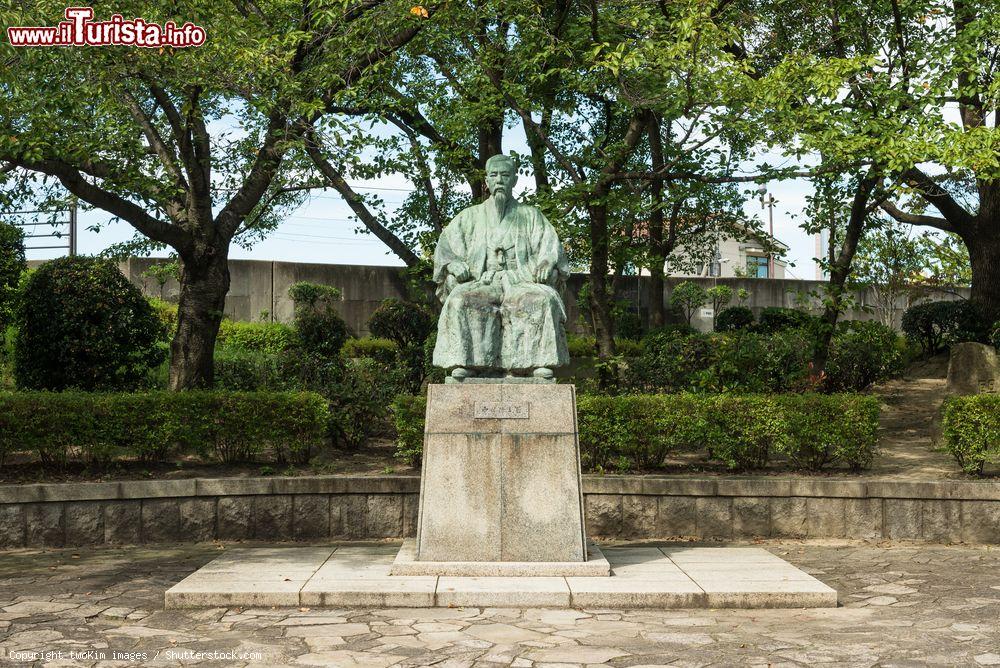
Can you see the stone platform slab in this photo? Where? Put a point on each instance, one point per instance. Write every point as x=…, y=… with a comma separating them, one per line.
x=406, y=563
x=641, y=577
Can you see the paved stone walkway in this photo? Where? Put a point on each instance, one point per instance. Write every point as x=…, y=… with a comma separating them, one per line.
x=907, y=422
x=902, y=606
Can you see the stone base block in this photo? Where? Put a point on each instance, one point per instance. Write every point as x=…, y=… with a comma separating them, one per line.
x=406, y=564
x=501, y=475
x=641, y=577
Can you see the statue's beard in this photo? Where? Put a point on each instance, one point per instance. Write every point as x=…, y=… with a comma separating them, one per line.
x=500, y=199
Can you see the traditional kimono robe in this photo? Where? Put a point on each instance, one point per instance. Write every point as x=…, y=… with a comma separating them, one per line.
x=502, y=319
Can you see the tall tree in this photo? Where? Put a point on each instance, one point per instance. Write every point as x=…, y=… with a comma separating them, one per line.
x=186, y=145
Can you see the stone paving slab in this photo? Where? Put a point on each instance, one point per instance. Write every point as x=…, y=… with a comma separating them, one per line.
x=640, y=577
x=901, y=605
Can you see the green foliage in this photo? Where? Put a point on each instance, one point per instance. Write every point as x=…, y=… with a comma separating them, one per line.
x=405, y=323
x=677, y=360
x=166, y=313
x=626, y=321
x=432, y=374
x=586, y=346
x=776, y=319
x=746, y=429
x=263, y=337
x=669, y=360
x=995, y=337
x=581, y=346
x=162, y=272
x=862, y=353
x=158, y=426
x=742, y=431
x=408, y=325
x=971, y=430
x=408, y=413
x=321, y=330
x=640, y=430
x=752, y=362
x=358, y=391
x=734, y=317
x=719, y=296
x=689, y=297
x=81, y=324
x=244, y=370
x=823, y=428
x=939, y=324
x=381, y=350
x=311, y=294
x=12, y=265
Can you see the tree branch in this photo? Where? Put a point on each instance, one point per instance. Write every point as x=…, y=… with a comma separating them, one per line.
x=916, y=219
x=154, y=140
x=336, y=179
x=136, y=216
x=956, y=215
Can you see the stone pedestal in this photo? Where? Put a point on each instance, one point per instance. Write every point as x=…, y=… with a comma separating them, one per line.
x=501, y=475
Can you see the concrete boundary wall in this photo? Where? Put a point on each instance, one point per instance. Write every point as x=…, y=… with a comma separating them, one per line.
x=260, y=287
x=356, y=507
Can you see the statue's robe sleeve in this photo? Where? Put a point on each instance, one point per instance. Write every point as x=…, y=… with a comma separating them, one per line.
x=459, y=242
x=541, y=245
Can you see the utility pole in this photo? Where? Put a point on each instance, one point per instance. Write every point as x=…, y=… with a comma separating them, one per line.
x=769, y=203
x=72, y=227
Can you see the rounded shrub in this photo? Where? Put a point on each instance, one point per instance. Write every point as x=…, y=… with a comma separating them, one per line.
x=777, y=319
x=12, y=265
x=746, y=361
x=321, y=330
x=81, y=324
x=733, y=318
x=939, y=324
x=862, y=353
x=405, y=323
x=408, y=325
x=669, y=361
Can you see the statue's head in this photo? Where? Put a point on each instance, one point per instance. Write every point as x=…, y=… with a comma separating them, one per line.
x=501, y=174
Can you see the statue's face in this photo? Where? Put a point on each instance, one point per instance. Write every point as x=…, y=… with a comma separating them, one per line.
x=500, y=175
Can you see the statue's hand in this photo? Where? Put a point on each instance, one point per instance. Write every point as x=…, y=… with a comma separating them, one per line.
x=542, y=272
x=460, y=271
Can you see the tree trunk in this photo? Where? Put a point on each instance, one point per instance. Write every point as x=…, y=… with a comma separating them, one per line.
x=600, y=304
x=656, y=316
x=204, y=284
x=984, y=256
x=841, y=269
x=656, y=249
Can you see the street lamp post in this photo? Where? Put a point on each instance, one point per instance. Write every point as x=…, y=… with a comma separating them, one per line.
x=769, y=202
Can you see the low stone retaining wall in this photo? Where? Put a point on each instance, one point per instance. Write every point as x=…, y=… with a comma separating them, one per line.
x=355, y=507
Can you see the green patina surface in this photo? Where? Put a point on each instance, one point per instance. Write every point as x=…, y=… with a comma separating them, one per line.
x=499, y=268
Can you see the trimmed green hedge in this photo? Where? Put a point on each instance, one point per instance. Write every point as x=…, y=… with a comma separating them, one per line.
x=382, y=350
x=744, y=431
x=263, y=337
x=971, y=430
x=158, y=426
x=408, y=415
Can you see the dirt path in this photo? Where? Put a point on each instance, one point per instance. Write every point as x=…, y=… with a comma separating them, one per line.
x=910, y=407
